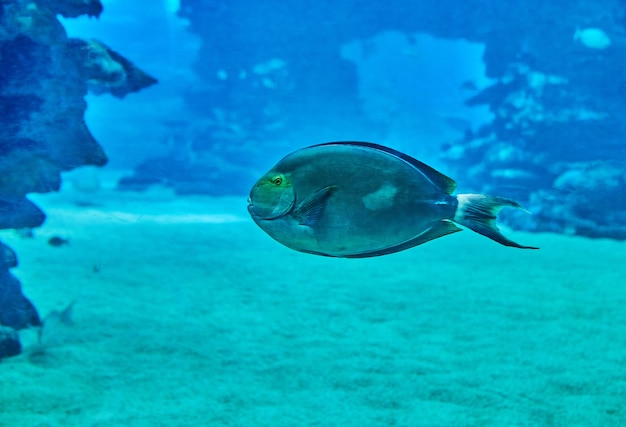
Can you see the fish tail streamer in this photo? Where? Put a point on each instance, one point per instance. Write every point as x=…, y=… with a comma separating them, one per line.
x=478, y=212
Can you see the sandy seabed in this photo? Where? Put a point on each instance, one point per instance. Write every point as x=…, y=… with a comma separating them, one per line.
x=187, y=314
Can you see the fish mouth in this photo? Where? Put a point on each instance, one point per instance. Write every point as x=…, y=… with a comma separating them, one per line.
x=273, y=215
x=251, y=208
x=253, y=213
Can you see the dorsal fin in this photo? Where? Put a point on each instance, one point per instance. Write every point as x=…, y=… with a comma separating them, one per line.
x=439, y=180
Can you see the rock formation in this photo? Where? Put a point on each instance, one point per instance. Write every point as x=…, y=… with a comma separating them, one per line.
x=44, y=77
x=557, y=136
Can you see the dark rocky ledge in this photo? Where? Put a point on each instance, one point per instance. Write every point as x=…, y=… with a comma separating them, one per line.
x=44, y=77
x=556, y=142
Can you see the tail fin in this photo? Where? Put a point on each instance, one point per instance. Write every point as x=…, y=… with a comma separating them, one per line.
x=478, y=212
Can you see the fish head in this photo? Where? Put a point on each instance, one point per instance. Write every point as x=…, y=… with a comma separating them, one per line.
x=272, y=196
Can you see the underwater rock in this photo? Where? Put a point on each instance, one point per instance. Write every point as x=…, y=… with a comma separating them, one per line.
x=43, y=174
x=554, y=99
x=43, y=81
x=41, y=125
x=547, y=145
x=585, y=198
x=106, y=71
x=160, y=170
x=8, y=258
x=186, y=177
x=75, y=8
x=9, y=343
x=16, y=311
x=20, y=213
x=30, y=21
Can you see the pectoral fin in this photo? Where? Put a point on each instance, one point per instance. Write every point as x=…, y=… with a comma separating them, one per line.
x=310, y=210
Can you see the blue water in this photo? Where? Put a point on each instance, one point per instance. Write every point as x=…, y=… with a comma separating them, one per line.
x=183, y=312
x=415, y=78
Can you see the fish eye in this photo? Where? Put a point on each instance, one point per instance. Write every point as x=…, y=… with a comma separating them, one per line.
x=277, y=180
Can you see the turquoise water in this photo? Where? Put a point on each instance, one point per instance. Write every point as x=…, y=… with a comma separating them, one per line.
x=180, y=311
x=196, y=317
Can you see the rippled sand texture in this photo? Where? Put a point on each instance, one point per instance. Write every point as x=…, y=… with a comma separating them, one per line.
x=187, y=314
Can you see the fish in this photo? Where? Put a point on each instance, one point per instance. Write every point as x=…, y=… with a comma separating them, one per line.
x=593, y=38
x=54, y=322
x=58, y=241
x=360, y=199
x=9, y=342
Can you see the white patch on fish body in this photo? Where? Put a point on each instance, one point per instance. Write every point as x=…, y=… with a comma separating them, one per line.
x=381, y=198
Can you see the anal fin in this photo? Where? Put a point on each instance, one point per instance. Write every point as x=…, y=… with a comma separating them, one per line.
x=438, y=229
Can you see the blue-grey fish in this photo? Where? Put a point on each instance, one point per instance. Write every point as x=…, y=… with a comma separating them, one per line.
x=58, y=241
x=358, y=199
